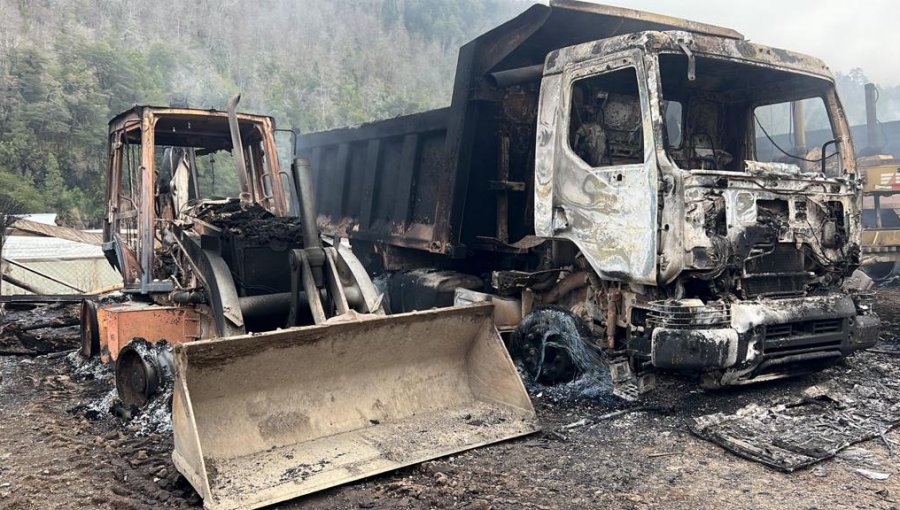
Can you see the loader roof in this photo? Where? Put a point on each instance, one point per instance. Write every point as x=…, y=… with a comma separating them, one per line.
x=177, y=126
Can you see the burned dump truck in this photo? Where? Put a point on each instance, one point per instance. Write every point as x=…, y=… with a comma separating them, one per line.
x=603, y=164
x=286, y=376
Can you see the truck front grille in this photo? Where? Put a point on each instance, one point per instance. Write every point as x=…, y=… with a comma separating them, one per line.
x=804, y=336
x=688, y=314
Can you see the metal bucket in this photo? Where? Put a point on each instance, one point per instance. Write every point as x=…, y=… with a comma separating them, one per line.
x=264, y=418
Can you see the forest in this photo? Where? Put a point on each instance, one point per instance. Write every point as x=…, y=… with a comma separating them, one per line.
x=67, y=66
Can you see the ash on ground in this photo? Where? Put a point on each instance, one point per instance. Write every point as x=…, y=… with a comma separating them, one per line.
x=34, y=329
x=154, y=418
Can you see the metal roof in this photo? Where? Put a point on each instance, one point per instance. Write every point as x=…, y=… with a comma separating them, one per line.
x=25, y=248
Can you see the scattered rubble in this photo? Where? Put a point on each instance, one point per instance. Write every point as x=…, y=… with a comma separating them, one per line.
x=31, y=329
x=802, y=431
x=155, y=418
x=615, y=454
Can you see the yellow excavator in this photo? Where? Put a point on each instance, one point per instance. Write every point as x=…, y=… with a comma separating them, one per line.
x=287, y=375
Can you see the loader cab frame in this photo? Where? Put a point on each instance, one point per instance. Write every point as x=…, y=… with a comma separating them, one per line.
x=156, y=162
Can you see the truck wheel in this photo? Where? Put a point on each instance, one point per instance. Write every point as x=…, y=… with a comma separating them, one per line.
x=881, y=271
x=544, y=343
x=90, y=333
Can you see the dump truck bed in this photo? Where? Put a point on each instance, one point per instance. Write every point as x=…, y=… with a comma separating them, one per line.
x=424, y=181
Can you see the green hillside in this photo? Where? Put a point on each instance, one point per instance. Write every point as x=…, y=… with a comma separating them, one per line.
x=67, y=66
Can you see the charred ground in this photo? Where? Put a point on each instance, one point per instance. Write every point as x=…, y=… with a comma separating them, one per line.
x=60, y=447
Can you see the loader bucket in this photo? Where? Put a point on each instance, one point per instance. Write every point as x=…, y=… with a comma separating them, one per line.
x=263, y=418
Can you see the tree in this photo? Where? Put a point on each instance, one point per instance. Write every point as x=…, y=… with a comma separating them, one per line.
x=68, y=66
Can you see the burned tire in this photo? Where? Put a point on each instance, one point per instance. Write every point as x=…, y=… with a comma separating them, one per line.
x=90, y=332
x=142, y=370
x=880, y=271
x=544, y=343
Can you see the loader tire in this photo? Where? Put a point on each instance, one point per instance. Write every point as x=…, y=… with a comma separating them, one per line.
x=543, y=343
x=90, y=332
x=143, y=370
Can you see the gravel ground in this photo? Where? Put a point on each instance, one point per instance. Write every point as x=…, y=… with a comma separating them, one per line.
x=61, y=448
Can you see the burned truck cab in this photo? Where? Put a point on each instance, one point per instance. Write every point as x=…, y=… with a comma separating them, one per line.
x=672, y=160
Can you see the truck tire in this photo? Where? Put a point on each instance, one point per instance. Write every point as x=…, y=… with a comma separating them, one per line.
x=881, y=271
x=544, y=343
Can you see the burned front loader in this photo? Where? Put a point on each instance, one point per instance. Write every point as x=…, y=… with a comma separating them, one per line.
x=288, y=377
x=204, y=237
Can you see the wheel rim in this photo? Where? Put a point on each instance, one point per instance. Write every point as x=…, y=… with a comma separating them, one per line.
x=137, y=377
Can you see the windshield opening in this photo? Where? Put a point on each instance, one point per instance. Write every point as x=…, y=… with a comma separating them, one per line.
x=746, y=118
x=194, y=160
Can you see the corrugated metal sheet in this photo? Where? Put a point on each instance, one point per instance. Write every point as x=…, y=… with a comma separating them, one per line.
x=24, y=248
x=26, y=227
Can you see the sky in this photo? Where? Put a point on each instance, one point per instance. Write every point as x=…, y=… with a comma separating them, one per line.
x=844, y=34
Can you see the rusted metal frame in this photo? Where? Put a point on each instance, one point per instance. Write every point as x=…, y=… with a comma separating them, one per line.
x=303, y=282
x=274, y=200
x=256, y=176
x=125, y=252
x=400, y=240
x=613, y=296
x=203, y=228
x=190, y=112
x=282, y=200
x=113, y=177
x=370, y=179
x=333, y=279
x=216, y=277
x=406, y=177
x=237, y=151
x=46, y=298
x=147, y=220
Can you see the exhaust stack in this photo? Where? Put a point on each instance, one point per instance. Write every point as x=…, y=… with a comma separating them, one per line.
x=872, y=144
x=238, y=149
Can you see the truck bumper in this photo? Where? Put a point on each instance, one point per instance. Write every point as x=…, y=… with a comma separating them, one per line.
x=766, y=334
